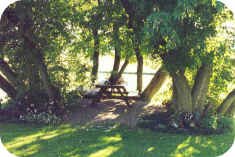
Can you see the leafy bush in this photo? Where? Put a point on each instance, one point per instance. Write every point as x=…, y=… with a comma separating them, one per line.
x=38, y=101
x=187, y=122
x=226, y=123
x=217, y=123
x=74, y=96
x=210, y=121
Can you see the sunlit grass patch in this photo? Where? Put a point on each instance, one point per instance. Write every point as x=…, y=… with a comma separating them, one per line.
x=27, y=140
x=106, y=152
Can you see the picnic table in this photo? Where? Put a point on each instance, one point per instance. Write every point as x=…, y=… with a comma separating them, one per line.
x=111, y=92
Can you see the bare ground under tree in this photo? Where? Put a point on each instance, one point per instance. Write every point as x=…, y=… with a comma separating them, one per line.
x=110, y=111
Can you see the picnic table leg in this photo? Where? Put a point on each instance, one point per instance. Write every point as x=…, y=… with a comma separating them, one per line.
x=124, y=89
x=127, y=102
x=125, y=98
x=99, y=96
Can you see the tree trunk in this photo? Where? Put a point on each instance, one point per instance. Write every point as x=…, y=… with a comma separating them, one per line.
x=95, y=58
x=7, y=87
x=155, y=84
x=31, y=46
x=182, y=98
x=231, y=110
x=116, y=64
x=122, y=69
x=44, y=76
x=33, y=76
x=39, y=62
x=200, y=87
x=225, y=105
x=6, y=70
x=140, y=64
x=130, y=10
x=117, y=58
x=124, y=65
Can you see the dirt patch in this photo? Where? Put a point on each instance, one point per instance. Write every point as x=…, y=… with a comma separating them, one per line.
x=109, y=111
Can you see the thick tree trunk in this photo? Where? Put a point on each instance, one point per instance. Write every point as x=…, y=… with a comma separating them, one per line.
x=155, y=84
x=6, y=70
x=182, y=98
x=140, y=65
x=7, y=87
x=95, y=58
x=45, y=77
x=223, y=108
x=200, y=87
x=38, y=59
x=33, y=76
x=117, y=58
x=41, y=66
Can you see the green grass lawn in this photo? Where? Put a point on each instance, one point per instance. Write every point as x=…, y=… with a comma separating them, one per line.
x=66, y=140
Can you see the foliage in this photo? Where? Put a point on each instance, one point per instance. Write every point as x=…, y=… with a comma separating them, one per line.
x=74, y=97
x=216, y=122
x=210, y=121
x=187, y=123
x=51, y=27
x=179, y=34
x=34, y=34
x=226, y=123
x=34, y=107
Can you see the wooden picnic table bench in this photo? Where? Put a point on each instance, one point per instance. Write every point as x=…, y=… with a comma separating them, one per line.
x=112, y=92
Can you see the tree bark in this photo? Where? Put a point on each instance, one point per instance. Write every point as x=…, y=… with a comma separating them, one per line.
x=41, y=66
x=7, y=87
x=124, y=65
x=231, y=110
x=225, y=105
x=182, y=98
x=45, y=76
x=33, y=76
x=200, y=87
x=6, y=70
x=130, y=10
x=95, y=58
x=120, y=72
x=117, y=58
x=140, y=65
x=155, y=84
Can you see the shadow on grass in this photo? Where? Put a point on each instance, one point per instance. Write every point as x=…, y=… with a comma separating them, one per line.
x=66, y=140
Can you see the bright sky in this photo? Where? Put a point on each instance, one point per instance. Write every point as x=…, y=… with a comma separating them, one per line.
x=230, y=4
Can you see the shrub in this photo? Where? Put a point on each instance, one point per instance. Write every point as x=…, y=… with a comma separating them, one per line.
x=226, y=123
x=217, y=123
x=74, y=96
x=188, y=122
x=35, y=106
x=210, y=121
